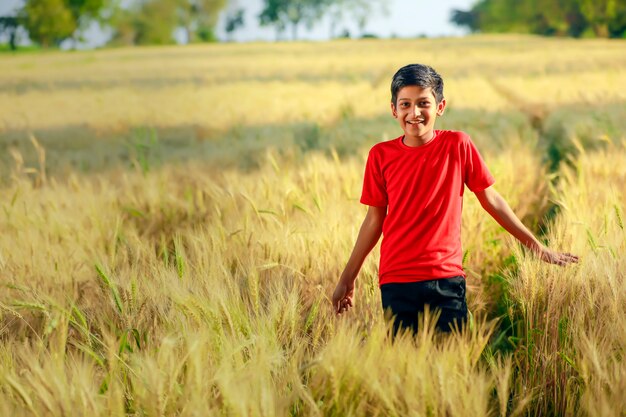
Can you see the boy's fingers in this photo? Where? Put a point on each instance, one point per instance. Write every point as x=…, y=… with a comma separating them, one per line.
x=343, y=305
x=563, y=259
x=560, y=259
x=569, y=257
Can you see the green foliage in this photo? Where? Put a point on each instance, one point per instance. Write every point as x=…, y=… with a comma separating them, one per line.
x=48, y=22
x=107, y=283
x=10, y=25
x=359, y=11
x=199, y=18
x=234, y=21
x=308, y=136
x=598, y=13
x=605, y=18
x=281, y=13
x=150, y=23
x=153, y=22
x=4, y=48
x=465, y=18
x=143, y=148
x=156, y=22
x=85, y=7
x=83, y=11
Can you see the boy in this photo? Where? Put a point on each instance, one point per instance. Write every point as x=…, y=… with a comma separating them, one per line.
x=414, y=187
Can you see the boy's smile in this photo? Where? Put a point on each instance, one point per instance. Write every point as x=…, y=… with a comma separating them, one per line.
x=416, y=110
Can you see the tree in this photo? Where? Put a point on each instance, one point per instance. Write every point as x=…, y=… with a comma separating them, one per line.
x=85, y=11
x=281, y=13
x=360, y=10
x=234, y=21
x=272, y=15
x=48, y=22
x=153, y=22
x=603, y=18
x=543, y=17
x=599, y=14
x=617, y=25
x=465, y=18
x=199, y=18
x=156, y=22
x=10, y=25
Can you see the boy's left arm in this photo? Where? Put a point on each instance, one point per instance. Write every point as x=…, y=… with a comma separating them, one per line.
x=499, y=209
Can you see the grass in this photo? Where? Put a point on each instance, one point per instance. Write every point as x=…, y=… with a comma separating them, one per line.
x=6, y=48
x=255, y=276
x=171, y=249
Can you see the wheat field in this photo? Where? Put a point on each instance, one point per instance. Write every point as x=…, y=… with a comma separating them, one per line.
x=174, y=221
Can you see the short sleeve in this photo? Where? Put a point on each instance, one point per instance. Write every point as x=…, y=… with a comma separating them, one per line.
x=477, y=175
x=374, y=191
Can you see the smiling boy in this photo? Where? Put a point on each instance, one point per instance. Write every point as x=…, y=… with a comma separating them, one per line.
x=414, y=187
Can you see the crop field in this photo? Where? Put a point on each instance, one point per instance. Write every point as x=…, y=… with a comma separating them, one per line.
x=174, y=221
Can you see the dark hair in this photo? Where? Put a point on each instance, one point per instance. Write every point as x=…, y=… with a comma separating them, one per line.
x=419, y=75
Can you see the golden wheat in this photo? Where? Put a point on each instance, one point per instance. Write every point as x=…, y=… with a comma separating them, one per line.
x=196, y=288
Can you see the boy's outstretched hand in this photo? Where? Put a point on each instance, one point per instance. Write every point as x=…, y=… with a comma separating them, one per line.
x=556, y=258
x=343, y=297
x=499, y=209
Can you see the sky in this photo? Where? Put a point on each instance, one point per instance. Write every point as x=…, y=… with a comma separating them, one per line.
x=405, y=18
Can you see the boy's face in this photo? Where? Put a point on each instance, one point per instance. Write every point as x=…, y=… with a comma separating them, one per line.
x=416, y=110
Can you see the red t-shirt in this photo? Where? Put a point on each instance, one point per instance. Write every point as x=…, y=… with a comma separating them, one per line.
x=422, y=188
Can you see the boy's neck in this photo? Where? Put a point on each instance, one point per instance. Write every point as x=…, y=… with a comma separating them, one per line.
x=415, y=141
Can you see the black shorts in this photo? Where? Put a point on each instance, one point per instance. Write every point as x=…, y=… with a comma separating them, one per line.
x=405, y=301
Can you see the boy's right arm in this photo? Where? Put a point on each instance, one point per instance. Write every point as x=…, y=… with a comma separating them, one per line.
x=370, y=232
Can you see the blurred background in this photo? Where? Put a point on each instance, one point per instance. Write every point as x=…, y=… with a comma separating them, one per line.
x=93, y=23
x=329, y=60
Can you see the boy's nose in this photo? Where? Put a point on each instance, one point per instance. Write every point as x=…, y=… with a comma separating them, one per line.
x=416, y=110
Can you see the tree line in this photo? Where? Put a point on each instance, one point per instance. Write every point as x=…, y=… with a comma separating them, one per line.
x=577, y=18
x=136, y=22
x=141, y=22
x=291, y=15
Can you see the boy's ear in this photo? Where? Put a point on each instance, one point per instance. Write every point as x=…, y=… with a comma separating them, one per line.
x=441, y=107
x=394, y=112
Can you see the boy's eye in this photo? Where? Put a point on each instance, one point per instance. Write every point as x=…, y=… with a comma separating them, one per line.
x=425, y=103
